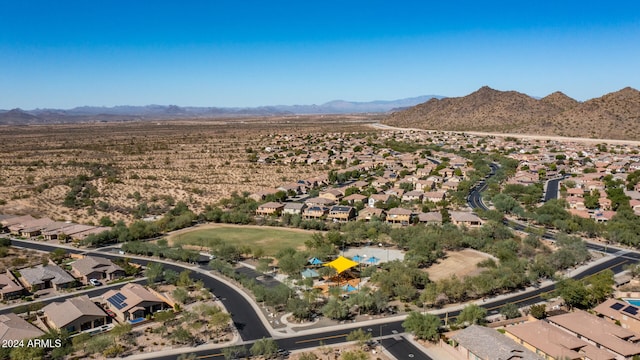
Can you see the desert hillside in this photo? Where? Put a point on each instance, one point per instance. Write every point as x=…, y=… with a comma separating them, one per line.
x=613, y=116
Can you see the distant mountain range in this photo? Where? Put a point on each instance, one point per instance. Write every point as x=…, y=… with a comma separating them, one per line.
x=612, y=116
x=157, y=112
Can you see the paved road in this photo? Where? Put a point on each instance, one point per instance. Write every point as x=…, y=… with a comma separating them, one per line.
x=402, y=348
x=552, y=189
x=243, y=315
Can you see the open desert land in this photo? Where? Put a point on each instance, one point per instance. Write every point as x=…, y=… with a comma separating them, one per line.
x=459, y=263
x=140, y=168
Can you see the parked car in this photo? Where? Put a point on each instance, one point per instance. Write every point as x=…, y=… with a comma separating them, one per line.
x=95, y=282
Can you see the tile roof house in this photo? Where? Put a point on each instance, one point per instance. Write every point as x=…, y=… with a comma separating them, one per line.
x=294, y=208
x=465, y=218
x=613, y=338
x=93, y=267
x=270, y=208
x=133, y=301
x=341, y=213
x=13, y=327
x=354, y=198
x=481, y=343
x=368, y=214
x=552, y=343
x=318, y=201
x=74, y=314
x=10, y=288
x=618, y=311
x=432, y=217
x=45, y=277
x=399, y=216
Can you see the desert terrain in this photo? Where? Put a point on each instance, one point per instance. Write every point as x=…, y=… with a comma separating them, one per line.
x=128, y=170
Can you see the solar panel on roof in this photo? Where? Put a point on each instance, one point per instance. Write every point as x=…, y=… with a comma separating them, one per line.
x=617, y=306
x=631, y=310
x=117, y=300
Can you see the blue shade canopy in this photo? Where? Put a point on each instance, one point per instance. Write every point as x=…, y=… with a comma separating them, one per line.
x=373, y=260
x=309, y=273
x=315, y=261
x=357, y=258
x=348, y=288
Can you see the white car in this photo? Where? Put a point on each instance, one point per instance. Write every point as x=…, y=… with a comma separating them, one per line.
x=95, y=282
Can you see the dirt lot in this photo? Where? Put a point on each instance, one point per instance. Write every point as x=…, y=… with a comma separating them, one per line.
x=459, y=263
x=142, y=167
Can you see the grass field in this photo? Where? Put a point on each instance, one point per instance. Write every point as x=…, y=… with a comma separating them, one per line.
x=272, y=240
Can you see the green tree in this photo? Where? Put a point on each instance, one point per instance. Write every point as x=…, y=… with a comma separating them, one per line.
x=354, y=355
x=181, y=295
x=264, y=347
x=538, y=311
x=573, y=292
x=423, y=326
x=234, y=352
x=472, y=314
x=335, y=309
x=360, y=336
x=153, y=272
x=510, y=311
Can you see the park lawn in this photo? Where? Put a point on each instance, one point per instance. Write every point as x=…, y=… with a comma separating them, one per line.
x=271, y=240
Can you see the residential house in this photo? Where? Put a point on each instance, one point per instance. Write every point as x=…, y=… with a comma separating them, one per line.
x=294, y=208
x=10, y=288
x=74, y=314
x=620, y=312
x=450, y=184
x=93, y=267
x=262, y=194
x=44, y=277
x=424, y=185
x=292, y=188
x=603, y=216
x=414, y=195
x=133, y=301
x=375, y=198
x=355, y=198
x=270, y=208
x=32, y=228
x=341, y=213
x=370, y=213
x=395, y=192
x=434, y=196
x=399, y=216
x=600, y=332
x=318, y=201
x=15, y=328
x=481, y=343
x=13, y=220
x=465, y=218
x=553, y=343
x=72, y=230
x=334, y=194
x=315, y=212
x=430, y=218
x=380, y=182
x=51, y=231
x=577, y=192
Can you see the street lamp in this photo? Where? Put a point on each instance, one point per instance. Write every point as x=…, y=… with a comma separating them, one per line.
x=381, y=326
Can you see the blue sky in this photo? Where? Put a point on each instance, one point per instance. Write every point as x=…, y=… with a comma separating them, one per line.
x=63, y=54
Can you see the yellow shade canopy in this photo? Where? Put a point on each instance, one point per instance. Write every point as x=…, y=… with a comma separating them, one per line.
x=341, y=264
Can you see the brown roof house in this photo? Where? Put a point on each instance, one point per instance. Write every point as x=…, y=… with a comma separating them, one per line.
x=93, y=267
x=294, y=208
x=481, y=343
x=315, y=212
x=465, y=218
x=368, y=214
x=45, y=276
x=74, y=314
x=13, y=327
x=270, y=208
x=553, y=343
x=590, y=328
x=399, y=216
x=618, y=311
x=133, y=301
x=430, y=218
x=10, y=288
x=341, y=213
